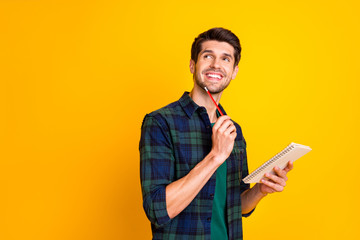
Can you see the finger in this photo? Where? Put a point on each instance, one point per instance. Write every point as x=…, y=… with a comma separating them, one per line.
x=225, y=125
x=281, y=173
x=274, y=186
x=219, y=121
x=276, y=179
x=230, y=129
x=233, y=135
x=289, y=167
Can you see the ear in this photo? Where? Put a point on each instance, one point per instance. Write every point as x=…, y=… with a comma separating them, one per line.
x=192, y=66
x=236, y=69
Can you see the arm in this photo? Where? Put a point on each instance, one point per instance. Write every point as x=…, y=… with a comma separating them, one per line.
x=180, y=193
x=164, y=198
x=275, y=183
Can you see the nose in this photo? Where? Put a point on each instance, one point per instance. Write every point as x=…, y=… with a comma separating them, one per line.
x=215, y=63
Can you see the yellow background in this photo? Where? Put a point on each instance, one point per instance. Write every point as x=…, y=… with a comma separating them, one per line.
x=77, y=77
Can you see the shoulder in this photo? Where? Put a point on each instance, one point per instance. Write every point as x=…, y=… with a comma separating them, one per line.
x=164, y=116
x=167, y=111
x=237, y=125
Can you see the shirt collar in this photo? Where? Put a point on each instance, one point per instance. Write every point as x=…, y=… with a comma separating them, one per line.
x=190, y=106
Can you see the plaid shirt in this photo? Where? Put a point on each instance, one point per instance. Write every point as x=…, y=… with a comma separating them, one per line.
x=173, y=140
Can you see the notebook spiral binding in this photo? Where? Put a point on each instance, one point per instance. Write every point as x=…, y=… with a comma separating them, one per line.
x=276, y=157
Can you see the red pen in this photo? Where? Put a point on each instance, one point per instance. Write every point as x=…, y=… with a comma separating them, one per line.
x=241, y=151
x=214, y=102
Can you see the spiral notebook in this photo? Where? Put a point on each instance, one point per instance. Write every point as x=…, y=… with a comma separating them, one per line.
x=292, y=152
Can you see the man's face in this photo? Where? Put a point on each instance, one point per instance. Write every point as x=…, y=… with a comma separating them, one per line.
x=215, y=66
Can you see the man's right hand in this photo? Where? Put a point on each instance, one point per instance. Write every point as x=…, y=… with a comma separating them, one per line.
x=223, y=138
x=180, y=193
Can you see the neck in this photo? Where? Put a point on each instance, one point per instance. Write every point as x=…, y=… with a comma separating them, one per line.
x=201, y=98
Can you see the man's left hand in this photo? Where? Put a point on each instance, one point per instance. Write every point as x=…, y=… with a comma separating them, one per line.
x=275, y=182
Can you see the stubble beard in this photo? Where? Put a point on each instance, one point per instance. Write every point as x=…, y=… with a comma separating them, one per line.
x=202, y=85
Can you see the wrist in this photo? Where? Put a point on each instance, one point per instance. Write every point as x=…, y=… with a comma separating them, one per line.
x=217, y=159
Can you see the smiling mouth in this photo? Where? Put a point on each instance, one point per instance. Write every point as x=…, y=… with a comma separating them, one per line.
x=217, y=76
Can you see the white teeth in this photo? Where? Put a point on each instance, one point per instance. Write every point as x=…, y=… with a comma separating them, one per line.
x=214, y=76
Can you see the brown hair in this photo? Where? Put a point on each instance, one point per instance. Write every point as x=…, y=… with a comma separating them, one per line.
x=217, y=34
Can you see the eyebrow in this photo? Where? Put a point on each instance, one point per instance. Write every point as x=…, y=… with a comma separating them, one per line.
x=228, y=55
x=211, y=51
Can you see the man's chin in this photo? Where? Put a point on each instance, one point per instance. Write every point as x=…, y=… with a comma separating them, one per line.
x=215, y=90
x=212, y=88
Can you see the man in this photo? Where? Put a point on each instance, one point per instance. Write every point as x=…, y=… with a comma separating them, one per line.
x=192, y=159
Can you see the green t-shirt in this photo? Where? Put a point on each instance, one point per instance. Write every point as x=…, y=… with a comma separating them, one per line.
x=218, y=219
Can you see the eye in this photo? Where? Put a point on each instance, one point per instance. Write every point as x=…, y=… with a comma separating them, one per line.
x=207, y=56
x=226, y=59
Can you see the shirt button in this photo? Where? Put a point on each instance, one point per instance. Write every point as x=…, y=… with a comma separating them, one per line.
x=211, y=196
x=207, y=126
x=209, y=219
